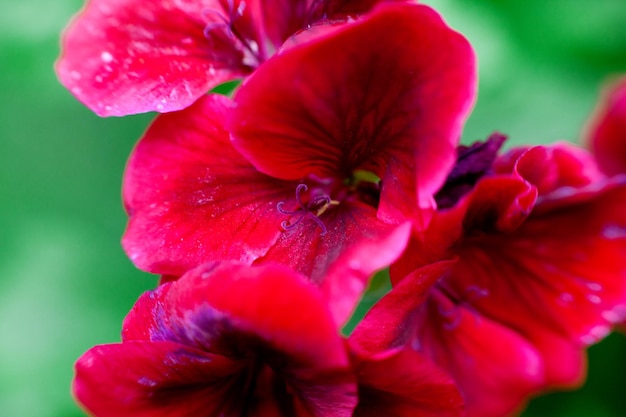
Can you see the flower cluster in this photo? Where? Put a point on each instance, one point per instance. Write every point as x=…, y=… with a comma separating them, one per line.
x=267, y=213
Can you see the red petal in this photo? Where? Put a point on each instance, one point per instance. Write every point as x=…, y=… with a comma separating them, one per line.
x=192, y=198
x=362, y=97
x=246, y=312
x=391, y=322
x=255, y=300
x=341, y=260
x=403, y=383
x=557, y=271
x=552, y=168
x=131, y=56
x=607, y=129
x=147, y=379
x=495, y=367
x=551, y=279
x=554, y=280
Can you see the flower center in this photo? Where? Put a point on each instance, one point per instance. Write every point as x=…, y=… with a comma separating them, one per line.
x=314, y=201
x=308, y=208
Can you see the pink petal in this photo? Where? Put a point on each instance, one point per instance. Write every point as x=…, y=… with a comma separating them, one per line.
x=606, y=132
x=363, y=98
x=131, y=56
x=192, y=198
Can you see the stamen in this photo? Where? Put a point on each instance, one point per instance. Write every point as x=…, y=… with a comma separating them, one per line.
x=312, y=209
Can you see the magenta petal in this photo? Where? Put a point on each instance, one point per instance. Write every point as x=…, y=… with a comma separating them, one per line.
x=192, y=198
x=607, y=130
x=146, y=379
x=363, y=98
x=403, y=383
x=131, y=56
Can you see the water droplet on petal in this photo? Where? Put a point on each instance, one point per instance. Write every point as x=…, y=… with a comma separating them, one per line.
x=106, y=56
x=594, y=299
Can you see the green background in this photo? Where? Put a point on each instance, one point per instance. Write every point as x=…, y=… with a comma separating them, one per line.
x=65, y=283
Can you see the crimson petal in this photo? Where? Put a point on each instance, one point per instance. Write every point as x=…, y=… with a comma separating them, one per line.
x=192, y=198
x=132, y=56
x=361, y=97
x=148, y=379
x=606, y=132
x=341, y=260
x=243, y=316
x=403, y=383
x=494, y=366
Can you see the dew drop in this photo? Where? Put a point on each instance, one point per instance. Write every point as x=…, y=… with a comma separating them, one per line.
x=594, y=299
x=355, y=264
x=75, y=75
x=147, y=382
x=106, y=56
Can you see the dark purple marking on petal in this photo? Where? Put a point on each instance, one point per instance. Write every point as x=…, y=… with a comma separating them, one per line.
x=473, y=162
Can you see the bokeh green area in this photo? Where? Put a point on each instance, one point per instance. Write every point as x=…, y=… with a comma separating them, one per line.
x=65, y=283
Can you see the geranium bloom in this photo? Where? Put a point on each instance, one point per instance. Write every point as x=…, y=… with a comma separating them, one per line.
x=311, y=128
x=131, y=56
x=535, y=275
x=233, y=340
x=224, y=340
x=606, y=134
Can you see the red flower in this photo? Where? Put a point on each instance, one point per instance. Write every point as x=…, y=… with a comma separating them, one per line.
x=607, y=130
x=536, y=275
x=131, y=56
x=224, y=340
x=311, y=128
